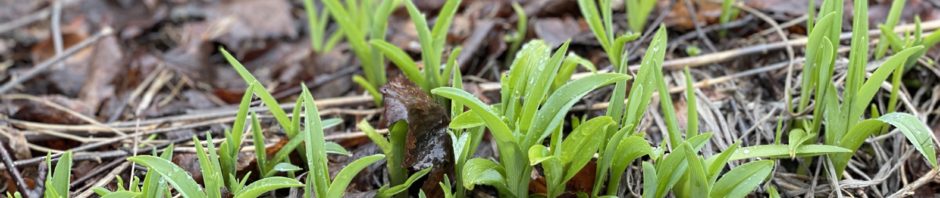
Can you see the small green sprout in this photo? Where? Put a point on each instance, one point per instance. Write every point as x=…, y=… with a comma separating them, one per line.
x=57, y=179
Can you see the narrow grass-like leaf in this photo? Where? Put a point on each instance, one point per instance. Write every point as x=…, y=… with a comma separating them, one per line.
x=593, y=19
x=376, y=138
x=867, y=91
x=568, y=68
x=63, y=174
x=401, y=59
x=286, y=167
x=439, y=31
x=894, y=15
x=858, y=60
x=579, y=147
x=553, y=112
x=852, y=140
x=315, y=147
x=718, y=162
x=154, y=185
x=697, y=174
x=649, y=180
x=669, y=171
x=425, y=38
x=466, y=120
x=499, y=129
x=482, y=171
x=362, y=82
x=356, y=37
x=258, y=139
x=628, y=149
x=122, y=194
x=691, y=106
x=334, y=148
x=534, y=96
x=262, y=186
x=345, y=176
x=782, y=151
x=638, y=11
x=211, y=174
x=265, y=96
x=394, y=190
x=916, y=132
x=176, y=176
x=740, y=181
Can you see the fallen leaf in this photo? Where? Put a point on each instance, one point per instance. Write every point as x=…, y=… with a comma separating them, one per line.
x=556, y=31
x=427, y=143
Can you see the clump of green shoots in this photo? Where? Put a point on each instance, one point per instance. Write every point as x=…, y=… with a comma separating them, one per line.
x=845, y=125
x=317, y=21
x=360, y=22
x=212, y=175
x=517, y=124
x=432, y=42
x=153, y=185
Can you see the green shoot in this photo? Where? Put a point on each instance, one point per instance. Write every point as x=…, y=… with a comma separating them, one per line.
x=355, y=23
x=57, y=182
x=432, y=40
x=317, y=28
x=637, y=12
x=727, y=12
x=515, y=39
x=845, y=125
x=894, y=15
x=318, y=179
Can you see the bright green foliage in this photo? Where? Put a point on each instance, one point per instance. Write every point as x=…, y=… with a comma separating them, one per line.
x=519, y=124
x=845, y=125
x=466, y=133
x=740, y=181
x=894, y=15
x=212, y=176
x=630, y=114
x=432, y=42
x=785, y=151
x=289, y=124
x=317, y=21
x=637, y=12
x=598, y=16
x=360, y=21
x=567, y=157
x=153, y=186
x=57, y=182
x=318, y=178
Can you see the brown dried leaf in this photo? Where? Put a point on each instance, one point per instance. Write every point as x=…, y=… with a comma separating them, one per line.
x=427, y=143
x=556, y=31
